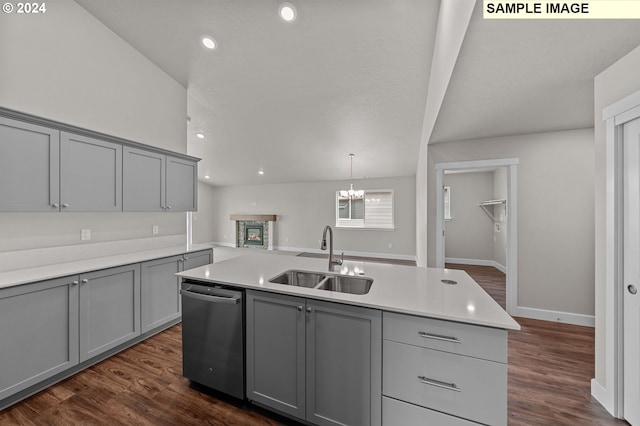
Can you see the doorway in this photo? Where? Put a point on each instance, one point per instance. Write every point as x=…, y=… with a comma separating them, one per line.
x=510, y=203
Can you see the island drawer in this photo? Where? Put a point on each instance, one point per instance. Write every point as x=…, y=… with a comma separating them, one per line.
x=463, y=339
x=463, y=386
x=396, y=412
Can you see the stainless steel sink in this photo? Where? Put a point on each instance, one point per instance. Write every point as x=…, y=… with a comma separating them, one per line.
x=298, y=278
x=321, y=281
x=346, y=284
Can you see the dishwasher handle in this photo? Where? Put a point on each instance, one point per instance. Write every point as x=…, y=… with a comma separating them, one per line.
x=231, y=300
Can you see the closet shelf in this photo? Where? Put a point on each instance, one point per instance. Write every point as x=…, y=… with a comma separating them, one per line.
x=489, y=206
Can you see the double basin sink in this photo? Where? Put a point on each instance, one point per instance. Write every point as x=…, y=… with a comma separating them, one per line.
x=324, y=281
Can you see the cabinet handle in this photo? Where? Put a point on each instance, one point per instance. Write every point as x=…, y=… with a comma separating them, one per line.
x=74, y=282
x=169, y=207
x=186, y=258
x=84, y=281
x=439, y=384
x=309, y=310
x=300, y=308
x=65, y=205
x=181, y=260
x=55, y=205
x=449, y=339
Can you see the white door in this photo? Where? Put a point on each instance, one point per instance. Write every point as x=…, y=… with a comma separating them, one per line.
x=631, y=281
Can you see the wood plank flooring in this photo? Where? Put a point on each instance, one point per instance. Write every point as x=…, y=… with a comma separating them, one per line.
x=550, y=368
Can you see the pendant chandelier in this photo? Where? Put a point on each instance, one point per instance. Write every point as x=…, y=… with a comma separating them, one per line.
x=351, y=194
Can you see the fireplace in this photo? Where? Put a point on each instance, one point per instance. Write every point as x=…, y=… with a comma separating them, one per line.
x=253, y=234
x=254, y=230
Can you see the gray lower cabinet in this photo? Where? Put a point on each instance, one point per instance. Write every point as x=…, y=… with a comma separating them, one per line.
x=160, y=291
x=90, y=174
x=38, y=331
x=29, y=167
x=314, y=360
x=158, y=182
x=109, y=309
x=161, y=288
x=443, y=372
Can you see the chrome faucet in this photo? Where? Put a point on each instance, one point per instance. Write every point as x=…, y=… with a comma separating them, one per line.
x=332, y=262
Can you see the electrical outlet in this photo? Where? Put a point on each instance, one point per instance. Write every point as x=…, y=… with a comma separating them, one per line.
x=85, y=234
x=497, y=226
x=155, y=229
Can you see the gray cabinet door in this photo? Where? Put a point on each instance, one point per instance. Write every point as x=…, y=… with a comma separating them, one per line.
x=29, y=167
x=143, y=182
x=160, y=292
x=90, y=174
x=109, y=309
x=38, y=332
x=197, y=259
x=182, y=185
x=275, y=351
x=344, y=364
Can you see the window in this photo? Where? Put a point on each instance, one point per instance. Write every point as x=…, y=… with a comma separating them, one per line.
x=374, y=211
x=447, y=202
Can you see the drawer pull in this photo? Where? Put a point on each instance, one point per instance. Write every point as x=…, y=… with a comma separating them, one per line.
x=439, y=337
x=439, y=384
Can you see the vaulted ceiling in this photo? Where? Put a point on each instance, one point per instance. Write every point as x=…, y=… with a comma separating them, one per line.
x=293, y=99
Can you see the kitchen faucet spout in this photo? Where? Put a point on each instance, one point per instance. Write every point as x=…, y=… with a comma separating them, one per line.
x=332, y=262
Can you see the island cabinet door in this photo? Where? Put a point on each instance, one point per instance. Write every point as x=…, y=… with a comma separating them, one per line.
x=109, y=309
x=275, y=352
x=160, y=291
x=344, y=364
x=38, y=332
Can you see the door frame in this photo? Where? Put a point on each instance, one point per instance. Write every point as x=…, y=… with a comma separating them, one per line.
x=615, y=116
x=512, y=217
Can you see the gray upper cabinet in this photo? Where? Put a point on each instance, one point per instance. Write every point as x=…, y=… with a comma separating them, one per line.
x=155, y=182
x=144, y=181
x=182, y=185
x=90, y=174
x=38, y=331
x=29, y=167
x=109, y=309
x=317, y=361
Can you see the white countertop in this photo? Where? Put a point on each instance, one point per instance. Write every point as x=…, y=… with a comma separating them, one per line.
x=403, y=289
x=58, y=270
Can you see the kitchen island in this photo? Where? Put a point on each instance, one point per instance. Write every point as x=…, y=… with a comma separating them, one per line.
x=423, y=345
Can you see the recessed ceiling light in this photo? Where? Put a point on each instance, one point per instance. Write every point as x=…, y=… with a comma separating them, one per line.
x=260, y=172
x=207, y=177
x=208, y=42
x=288, y=12
x=200, y=135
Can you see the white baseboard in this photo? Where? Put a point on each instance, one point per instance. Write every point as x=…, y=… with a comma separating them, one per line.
x=555, y=316
x=602, y=396
x=477, y=262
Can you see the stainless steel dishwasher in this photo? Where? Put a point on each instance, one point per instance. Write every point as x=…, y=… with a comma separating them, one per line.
x=213, y=336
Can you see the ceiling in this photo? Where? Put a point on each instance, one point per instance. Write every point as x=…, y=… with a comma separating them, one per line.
x=293, y=99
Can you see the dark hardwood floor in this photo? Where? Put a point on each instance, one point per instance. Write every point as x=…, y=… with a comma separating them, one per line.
x=550, y=368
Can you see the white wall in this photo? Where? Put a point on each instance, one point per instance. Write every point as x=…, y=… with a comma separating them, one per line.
x=66, y=66
x=615, y=83
x=422, y=207
x=469, y=234
x=500, y=192
x=203, y=219
x=303, y=209
x=555, y=213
